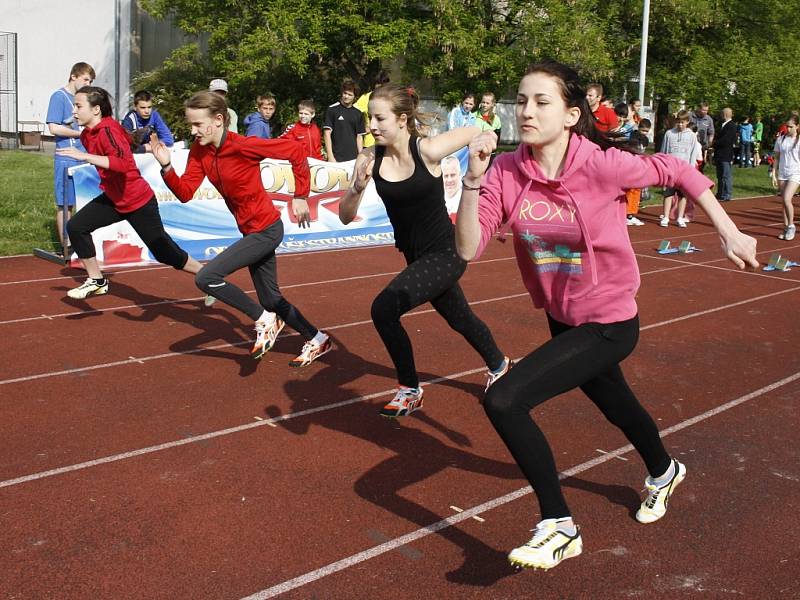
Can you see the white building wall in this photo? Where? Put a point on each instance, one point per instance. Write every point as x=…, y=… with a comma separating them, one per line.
x=52, y=35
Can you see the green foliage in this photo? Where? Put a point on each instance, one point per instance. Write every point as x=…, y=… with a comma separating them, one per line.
x=728, y=52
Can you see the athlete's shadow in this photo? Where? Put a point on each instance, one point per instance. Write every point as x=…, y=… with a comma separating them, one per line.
x=622, y=495
x=417, y=455
x=216, y=326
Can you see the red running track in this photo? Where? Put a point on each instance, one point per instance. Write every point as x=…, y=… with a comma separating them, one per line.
x=144, y=455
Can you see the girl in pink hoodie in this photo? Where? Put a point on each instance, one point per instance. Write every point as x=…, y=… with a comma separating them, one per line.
x=562, y=195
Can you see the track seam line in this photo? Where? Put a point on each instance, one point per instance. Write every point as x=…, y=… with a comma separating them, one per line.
x=272, y=421
x=422, y=532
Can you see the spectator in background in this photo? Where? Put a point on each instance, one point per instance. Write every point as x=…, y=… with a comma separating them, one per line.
x=344, y=126
x=746, y=143
x=362, y=104
x=605, y=117
x=258, y=124
x=67, y=133
x=487, y=119
x=305, y=131
x=723, y=155
x=758, y=136
x=638, y=141
x=462, y=115
x=625, y=124
x=143, y=121
x=220, y=86
x=681, y=142
x=634, y=106
x=705, y=128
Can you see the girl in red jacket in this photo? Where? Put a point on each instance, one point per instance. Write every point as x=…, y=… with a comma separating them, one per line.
x=126, y=196
x=232, y=164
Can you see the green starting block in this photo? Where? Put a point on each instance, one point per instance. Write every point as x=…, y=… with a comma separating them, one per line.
x=663, y=247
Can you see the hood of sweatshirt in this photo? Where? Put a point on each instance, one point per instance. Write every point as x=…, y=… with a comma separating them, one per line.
x=254, y=117
x=579, y=151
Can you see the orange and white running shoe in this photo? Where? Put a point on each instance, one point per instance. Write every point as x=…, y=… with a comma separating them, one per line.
x=405, y=401
x=311, y=352
x=266, y=334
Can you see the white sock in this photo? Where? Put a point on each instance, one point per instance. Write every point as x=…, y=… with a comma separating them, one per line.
x=267, y=318
x=319, y=338
x=566, y=525
x=664, y=479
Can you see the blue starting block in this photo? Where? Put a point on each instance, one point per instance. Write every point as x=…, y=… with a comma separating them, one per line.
x=780, y=263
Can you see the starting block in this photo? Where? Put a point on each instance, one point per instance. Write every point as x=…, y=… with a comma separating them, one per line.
x=685, y=247
x=779, y=263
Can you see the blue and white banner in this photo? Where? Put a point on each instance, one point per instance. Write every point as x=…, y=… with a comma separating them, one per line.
x=204, y=227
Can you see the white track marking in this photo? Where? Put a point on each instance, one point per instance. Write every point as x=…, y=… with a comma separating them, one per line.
x=423, y=532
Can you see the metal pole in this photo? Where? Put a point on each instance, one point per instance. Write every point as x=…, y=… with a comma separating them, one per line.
x=643, y=57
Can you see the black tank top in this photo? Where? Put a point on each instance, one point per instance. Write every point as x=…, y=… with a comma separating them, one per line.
x=415, y=207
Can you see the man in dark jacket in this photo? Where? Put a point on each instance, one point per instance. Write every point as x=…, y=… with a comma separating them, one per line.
x=723, y=155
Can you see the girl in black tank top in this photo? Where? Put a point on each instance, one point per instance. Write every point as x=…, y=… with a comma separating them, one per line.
x=415, y=206
x=414, y=200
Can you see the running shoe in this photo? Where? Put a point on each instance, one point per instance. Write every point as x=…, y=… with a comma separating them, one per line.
x=548, y=547
x=664, y=222
x=682, y=222
x=635, y=221
x=655, y=505
x=311, y=352
x=492, y=376
x=788, y=233
x=209, y=300
x=405, y=401
x=266, y=334
x=90, y=287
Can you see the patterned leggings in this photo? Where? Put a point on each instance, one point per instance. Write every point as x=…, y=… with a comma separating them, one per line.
x=433, y=277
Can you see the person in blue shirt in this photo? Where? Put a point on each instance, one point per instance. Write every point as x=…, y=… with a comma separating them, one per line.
x=746, y=143
x=67, y=133
x=143, y=121
x=463, y=115
x=259, y=124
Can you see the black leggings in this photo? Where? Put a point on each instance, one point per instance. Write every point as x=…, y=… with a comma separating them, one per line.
x=432, y=278
x=146, y=222
x=256, y=251
x=588, y=357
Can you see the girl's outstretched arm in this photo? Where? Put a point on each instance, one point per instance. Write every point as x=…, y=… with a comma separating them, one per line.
x=738, y=247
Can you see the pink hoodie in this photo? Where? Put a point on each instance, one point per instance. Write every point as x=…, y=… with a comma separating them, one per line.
x=570, y=235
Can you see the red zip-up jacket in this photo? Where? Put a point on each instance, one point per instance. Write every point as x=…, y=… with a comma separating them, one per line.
x=308, y=136
x=235, y=170
x=121, y=181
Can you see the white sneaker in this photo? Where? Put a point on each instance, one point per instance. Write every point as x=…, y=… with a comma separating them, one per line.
x=405, y=401
x=548, y=547
x=682, y=222
x=788, y=233
x=492, y=376
x=635, y=221
x=311, y=352
x=664, y=222
x=266, y=334
x=90, y=287
x=655, y=505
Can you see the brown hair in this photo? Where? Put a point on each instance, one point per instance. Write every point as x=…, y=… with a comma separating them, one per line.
x=307, y=103
x=348, y=85
x=403, y=100
x=683, y=115
x=97, y=96
x=212, y=102
x=82, y=68
x=266, y=99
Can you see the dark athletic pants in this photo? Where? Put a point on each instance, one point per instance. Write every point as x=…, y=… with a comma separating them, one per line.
x=256, y=251
x=432, y=278
x=588, y=357
x=146, y=221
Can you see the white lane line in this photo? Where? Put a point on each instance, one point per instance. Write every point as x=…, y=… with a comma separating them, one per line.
x=355, y=324
x=326, y=407
x=398, y=542
x=141, y=359
x=223, y=432
x=97, y=311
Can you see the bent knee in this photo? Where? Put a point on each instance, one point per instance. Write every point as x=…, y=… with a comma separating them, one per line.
x=386, y=307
